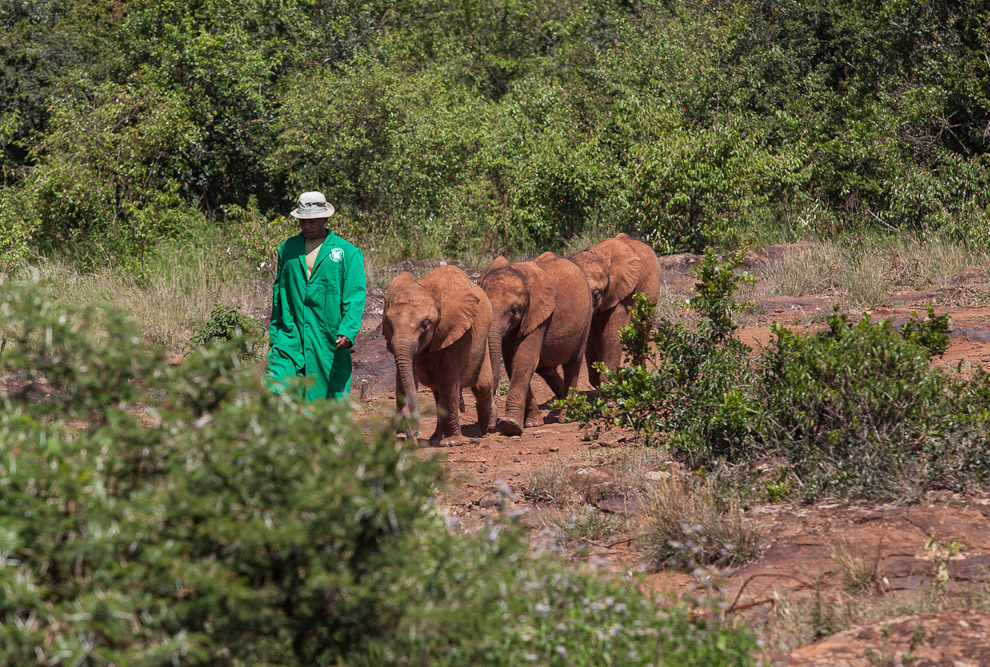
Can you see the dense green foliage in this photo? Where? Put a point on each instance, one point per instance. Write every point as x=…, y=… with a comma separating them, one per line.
x=229, y=324
x=185, y=515
x=856, y=410
x=476, y=125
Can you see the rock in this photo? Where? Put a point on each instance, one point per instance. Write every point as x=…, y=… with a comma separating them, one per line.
x=682, y=263
x=959, y=638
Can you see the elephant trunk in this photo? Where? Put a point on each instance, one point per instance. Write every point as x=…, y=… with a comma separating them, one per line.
x=406, y=384
x=495, y=353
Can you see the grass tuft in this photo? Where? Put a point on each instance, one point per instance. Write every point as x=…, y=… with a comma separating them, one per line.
x=686, y=528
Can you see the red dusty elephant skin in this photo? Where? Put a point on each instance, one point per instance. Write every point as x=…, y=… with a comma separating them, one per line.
x=437, y=330
x=616, y=268
x=541, y=312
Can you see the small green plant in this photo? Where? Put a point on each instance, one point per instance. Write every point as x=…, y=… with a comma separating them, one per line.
x=931, y=333
x=777, y=491
x=591, y=524
x=941, y=554
x=691, y=389
x=885, y=657
x=226, y=324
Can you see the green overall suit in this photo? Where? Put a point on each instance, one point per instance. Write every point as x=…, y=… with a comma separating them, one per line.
x=308, y=315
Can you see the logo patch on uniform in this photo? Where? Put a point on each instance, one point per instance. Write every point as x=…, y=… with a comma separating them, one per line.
x=337, y=254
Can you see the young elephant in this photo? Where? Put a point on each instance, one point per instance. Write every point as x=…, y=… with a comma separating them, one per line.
x=616, y=268
x=437, y=330
x=541, y=313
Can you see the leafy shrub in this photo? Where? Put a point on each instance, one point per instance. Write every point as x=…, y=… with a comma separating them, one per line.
x=858, y=410
x=226, y=324
x=855, y=410
x=692, y=391
x=932, y=333
x=16, y=232
x=256, y=237
x=255, y=528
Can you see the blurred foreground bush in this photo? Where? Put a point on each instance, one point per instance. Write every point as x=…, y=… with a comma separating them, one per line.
x=157, y=515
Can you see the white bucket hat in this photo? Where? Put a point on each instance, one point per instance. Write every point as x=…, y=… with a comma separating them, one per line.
x=312, y=205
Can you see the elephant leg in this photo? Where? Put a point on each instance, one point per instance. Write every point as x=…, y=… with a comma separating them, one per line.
x=593, y=353
x=611, y=347
x=484, y=397
x=572, y=371
x=448, y=416
x=435, y=437
x=554, y=380
x=524, y=360
x=533, y=416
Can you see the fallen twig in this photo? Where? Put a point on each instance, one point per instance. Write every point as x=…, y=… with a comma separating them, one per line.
x=732, y=607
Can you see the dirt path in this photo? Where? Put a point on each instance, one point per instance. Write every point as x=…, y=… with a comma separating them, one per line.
x=802, y=544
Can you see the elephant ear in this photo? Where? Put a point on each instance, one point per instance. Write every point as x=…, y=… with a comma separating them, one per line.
x=497, y=263
x=457, y=313
x=542, y=296
x=456, y=301
x=403, y=279
x=624, y=269
x=546, y=256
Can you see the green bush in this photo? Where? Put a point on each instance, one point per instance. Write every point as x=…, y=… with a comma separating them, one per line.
x=227, y=324
x=857, y=410
x=107, y=182
x=854, y=411
x=694, y=389
x=225, y=524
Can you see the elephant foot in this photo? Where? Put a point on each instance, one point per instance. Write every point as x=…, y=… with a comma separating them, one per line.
x=532, y=422
x=509, y=426
x=407, y=435
x=451, y=441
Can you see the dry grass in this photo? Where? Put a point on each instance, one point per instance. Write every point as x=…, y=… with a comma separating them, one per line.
x=549, y=484
x=863, y=271
x=688, y=527
x=860, y=573
x=800, y=620
x=180, y=292
x=673, y=308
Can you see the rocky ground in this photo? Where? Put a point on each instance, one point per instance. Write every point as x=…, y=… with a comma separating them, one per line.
x=908, y=546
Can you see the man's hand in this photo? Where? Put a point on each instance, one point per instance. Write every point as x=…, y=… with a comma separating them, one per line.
x=343, y=342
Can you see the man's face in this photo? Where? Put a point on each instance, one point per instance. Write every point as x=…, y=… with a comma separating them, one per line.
x=314, y=228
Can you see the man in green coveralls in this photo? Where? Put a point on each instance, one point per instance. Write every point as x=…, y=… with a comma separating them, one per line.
x=317, y=304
